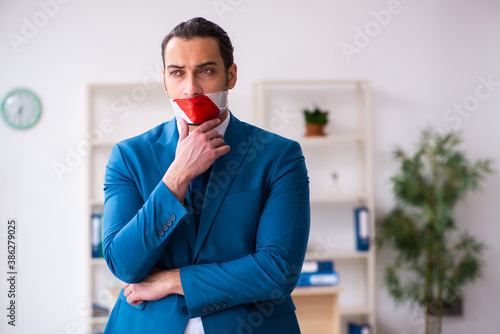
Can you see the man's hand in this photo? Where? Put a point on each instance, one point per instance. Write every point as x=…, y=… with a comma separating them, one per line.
x=195, y=154
x=158, y=284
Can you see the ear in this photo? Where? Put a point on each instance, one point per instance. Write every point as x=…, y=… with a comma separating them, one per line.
x=164, y=83
x=232, y=73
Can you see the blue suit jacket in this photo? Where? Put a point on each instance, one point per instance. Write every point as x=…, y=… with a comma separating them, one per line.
x=238, y=271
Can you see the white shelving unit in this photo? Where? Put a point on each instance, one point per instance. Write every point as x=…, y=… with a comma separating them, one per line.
x=120, y=111
x=346, y=151
x=115, y=112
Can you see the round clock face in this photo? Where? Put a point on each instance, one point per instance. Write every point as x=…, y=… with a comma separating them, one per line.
x=21, y=109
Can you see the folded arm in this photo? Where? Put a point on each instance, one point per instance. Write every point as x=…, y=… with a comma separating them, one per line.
x=134, y=232
x=271, y=272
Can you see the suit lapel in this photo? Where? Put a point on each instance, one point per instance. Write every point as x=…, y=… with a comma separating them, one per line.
x=224, y=170
x=163, y=150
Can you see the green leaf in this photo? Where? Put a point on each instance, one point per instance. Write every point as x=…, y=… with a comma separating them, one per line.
x=317, y=116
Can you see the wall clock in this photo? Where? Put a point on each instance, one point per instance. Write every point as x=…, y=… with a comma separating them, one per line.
x=21, y=109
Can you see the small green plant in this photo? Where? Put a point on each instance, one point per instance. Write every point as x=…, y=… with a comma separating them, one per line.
x=433, y=260
x=316, y=116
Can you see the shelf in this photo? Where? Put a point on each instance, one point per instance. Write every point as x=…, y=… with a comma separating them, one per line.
x=111, y=119
x=310, y=83
x=335, y=198
x=104, y=144
x=320, y=255
x=310, y=141
x=346, y=150
x=98, y=261
x=119, y=86
x=96, y=202
x=315, y=290
x=354, y=310
x=101, y=320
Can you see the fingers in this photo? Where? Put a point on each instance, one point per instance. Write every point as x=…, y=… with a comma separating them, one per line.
x=212, y=134
x=195, y=153
x=134, y=302
x=207, y=128
x=217, y=142
x=131, y=296
x=127, y=289
x=184, y=131
x=206, y=132
x=222, y=150
x=208, y=125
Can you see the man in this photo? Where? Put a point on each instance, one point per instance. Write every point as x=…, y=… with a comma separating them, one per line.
x=221, y=260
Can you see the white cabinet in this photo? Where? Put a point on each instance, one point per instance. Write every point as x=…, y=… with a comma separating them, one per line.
x=120, y=111
x=115, y=112
x=346, y=152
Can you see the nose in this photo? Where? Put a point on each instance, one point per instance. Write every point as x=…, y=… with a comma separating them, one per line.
x=192, y=88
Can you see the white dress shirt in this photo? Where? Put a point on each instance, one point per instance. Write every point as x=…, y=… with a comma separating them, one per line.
x=195, y=326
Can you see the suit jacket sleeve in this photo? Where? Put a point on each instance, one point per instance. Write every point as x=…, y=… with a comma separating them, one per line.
x=134, y=227
x=272, y=271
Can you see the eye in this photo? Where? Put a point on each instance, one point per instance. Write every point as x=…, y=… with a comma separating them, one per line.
x=175, y=73
x=207, y=71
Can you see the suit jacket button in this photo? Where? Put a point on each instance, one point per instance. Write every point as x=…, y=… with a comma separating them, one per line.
x=161, y=233
x=216, y=306
x=165, y=228
x=203, y=309
x=173, y=217
x=210, y=308
x=169, y=223
x=223, y=304
x=185, y=310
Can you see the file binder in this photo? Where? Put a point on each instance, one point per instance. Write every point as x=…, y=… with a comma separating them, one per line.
x=359, y=328
x=96, y=240
x=318, y=279
x=312, y=266
x=362, y=222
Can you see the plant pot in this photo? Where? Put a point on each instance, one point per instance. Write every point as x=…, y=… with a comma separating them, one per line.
x=315, y=130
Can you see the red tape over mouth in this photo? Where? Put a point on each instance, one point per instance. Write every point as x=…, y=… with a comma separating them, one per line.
x=199, y=109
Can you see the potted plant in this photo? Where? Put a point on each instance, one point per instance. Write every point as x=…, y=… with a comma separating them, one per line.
x=433, y=260
x=316, y=120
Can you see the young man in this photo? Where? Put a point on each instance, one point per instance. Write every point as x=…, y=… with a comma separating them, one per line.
x=223, y=259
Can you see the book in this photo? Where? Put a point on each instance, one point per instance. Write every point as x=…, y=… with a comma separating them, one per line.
x=96, y=235
x=312, y=266
x=355, y=328
x=362, y=222
x=318, y=279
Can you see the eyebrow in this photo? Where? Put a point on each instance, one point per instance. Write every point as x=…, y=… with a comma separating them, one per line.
x=207, y=63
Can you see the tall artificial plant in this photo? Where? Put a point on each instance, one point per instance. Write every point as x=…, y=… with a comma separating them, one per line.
x=433, y=261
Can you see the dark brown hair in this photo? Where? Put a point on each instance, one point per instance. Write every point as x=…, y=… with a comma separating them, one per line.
x=200, y=27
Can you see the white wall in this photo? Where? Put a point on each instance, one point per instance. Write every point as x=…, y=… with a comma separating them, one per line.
x=427, y=58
